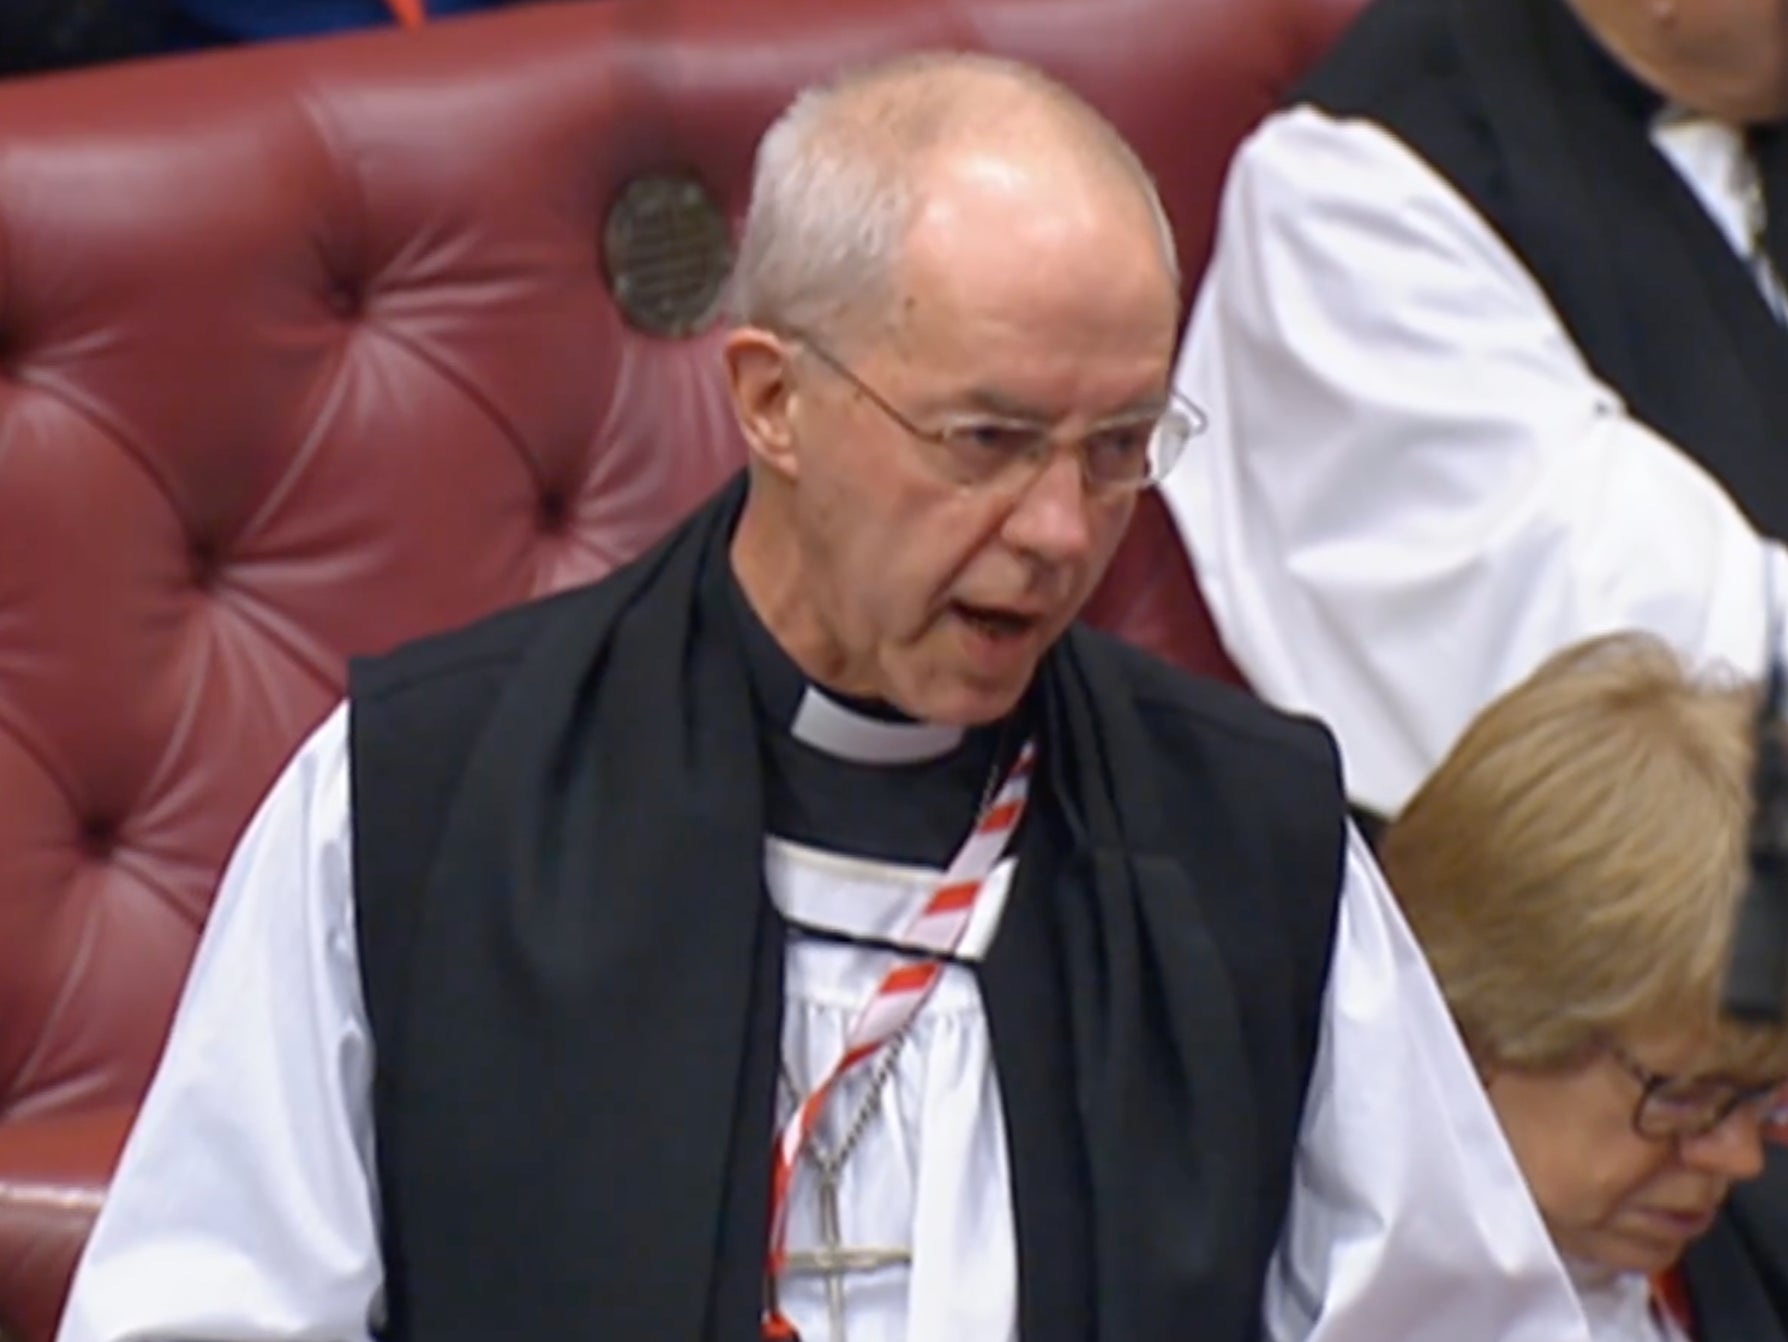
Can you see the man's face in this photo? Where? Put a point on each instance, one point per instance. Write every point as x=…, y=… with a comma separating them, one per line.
x=1018, y=305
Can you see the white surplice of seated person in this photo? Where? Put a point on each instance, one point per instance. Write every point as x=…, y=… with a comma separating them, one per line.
x=1394, y=588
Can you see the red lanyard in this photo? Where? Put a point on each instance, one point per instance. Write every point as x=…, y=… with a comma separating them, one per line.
x=410, y=13
x=1670, y=1296
x=938, y=929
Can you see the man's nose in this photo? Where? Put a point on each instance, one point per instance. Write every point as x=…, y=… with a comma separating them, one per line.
x=1053, y=519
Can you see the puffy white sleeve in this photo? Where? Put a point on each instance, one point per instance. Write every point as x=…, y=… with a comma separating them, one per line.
x=245, y=1206
x=1413, y=488
x=1409, y=1218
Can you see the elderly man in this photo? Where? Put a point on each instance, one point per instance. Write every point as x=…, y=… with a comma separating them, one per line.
x=807, y=932
x=1494, y=351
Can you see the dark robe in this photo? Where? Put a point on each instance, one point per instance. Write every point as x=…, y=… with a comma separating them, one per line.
x=573, y=974
x=1514, y=104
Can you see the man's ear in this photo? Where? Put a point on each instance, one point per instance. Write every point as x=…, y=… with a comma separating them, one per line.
x=758, y=371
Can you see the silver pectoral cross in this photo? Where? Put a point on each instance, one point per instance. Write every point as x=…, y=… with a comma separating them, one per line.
x=833, y=1261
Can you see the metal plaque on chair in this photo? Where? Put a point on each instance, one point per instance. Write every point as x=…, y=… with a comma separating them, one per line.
x=667, y=250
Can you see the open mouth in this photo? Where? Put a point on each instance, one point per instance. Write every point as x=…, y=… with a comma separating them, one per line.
x=995, y=623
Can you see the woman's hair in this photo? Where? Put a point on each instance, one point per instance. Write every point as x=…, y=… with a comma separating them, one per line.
x=1573, y=868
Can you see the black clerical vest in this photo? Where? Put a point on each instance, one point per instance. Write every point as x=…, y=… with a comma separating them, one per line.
x=573, y=976
x=1513, y=103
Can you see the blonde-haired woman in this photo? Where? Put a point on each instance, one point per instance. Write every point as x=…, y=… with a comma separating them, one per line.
x=1572, y=871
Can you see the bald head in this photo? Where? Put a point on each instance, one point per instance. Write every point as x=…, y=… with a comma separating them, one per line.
x=851, y=168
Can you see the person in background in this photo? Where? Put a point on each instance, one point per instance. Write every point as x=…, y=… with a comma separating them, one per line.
x=205, y=23
x=1492, y=344
x=39, y=36
x=1573, y=871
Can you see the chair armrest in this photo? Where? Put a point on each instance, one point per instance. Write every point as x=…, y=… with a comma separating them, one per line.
x=53, y=1175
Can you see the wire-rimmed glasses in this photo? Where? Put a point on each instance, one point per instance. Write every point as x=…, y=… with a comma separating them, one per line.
x=1122, y=455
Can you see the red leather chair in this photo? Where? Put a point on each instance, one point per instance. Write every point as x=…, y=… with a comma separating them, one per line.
x=308, y=349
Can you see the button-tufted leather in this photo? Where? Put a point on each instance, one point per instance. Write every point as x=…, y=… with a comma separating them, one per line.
x=308, y=349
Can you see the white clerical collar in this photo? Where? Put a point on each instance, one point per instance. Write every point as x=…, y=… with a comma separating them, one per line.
x=825, y=724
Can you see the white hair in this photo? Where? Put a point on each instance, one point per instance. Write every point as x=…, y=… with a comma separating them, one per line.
x=835, y=189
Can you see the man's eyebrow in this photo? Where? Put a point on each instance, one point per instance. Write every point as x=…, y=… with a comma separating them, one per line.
x=1151, y=406
x=1003, y=405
